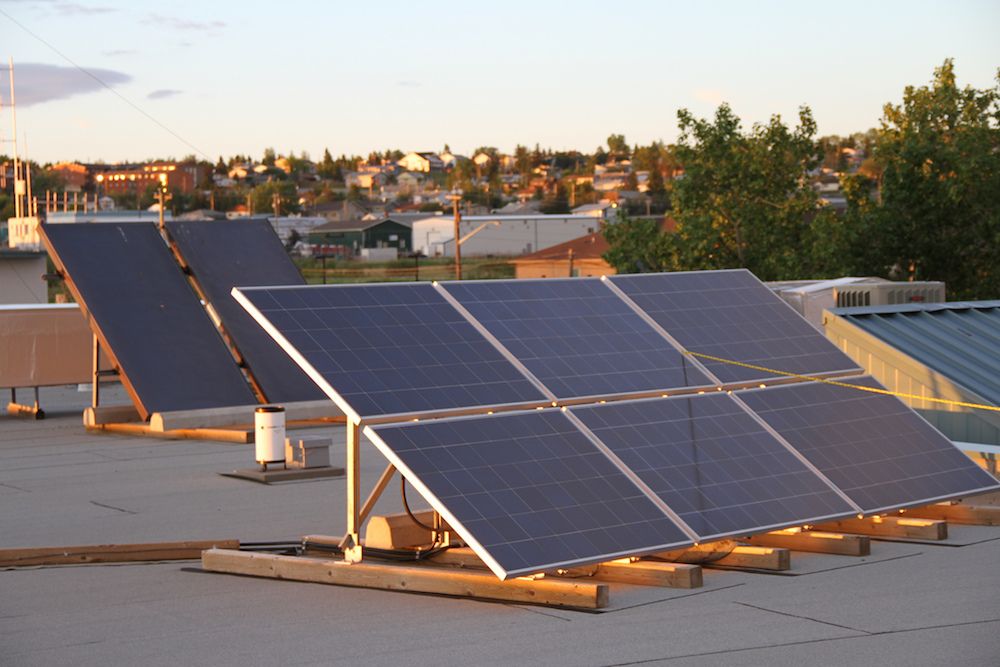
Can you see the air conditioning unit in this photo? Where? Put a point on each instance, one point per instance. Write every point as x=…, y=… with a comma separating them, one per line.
x=885, y=293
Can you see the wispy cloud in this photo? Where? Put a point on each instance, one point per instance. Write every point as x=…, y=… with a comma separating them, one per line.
x=408, y=84
x=163, y=93
x=183, y=24
x=40, y=82
x=64, y=8
x=119, y=52
x=77, y=9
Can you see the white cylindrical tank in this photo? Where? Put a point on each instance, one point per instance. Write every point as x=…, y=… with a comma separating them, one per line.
x=269, y=434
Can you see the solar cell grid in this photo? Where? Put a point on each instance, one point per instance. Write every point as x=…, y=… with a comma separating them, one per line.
x=148, y=317
x=732, y=315
x=713, y=464
x=877, y=450
x=576, y=336
x=529, y=488
x=225, y=254
x=390, y=349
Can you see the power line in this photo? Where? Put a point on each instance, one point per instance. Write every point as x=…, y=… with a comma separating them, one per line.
x=106, y=85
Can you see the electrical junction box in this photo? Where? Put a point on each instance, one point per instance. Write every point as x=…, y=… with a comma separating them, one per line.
x=307, y=451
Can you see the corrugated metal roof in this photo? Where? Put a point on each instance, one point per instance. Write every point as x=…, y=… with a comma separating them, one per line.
x=960, y=339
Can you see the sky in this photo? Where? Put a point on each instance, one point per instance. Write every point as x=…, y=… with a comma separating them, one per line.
x=220, y=78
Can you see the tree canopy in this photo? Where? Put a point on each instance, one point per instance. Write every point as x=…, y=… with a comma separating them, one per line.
x=744, y=199
x=937, y=213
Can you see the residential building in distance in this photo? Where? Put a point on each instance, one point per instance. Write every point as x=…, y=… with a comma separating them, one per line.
x=129, y=178
x=73, y=174
x=425, y=162
x=579, y=257
x=604, y=209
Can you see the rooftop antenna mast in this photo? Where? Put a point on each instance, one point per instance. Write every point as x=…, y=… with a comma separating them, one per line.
x=18, y=181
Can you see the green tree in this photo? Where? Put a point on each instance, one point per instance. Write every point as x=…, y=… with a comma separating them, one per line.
x=639, y=246
x=327, y=168
x=617, y=146
x=744, y=200
x=280, y=195
x=937, y=216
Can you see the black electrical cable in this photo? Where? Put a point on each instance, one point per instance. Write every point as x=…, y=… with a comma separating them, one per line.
x=406, y=506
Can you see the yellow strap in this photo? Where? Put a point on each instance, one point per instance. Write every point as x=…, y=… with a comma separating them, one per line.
x=874, y=390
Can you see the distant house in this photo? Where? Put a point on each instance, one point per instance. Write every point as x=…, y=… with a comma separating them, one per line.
x=578, y=257
x=603, y=209
x=408, y=183
x=481, y=159
x=340, y=210
x=449, y=159
x=359, y=234
x=423, y=162
x=74, y=175
x=366, y=180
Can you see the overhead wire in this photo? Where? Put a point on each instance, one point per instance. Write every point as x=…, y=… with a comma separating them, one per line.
x=103, y=83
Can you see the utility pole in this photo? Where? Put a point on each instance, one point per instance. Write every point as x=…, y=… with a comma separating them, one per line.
x=276, y=204
x=455, y=198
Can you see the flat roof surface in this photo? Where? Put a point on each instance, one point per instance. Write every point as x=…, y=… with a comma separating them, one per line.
x=909, y=603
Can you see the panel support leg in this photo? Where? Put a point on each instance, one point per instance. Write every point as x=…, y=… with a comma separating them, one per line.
x=95, y=390
x=352, y=539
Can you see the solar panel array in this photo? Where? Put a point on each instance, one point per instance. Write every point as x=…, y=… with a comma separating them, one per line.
x=224, y=253
x=713, y=464
x=732, y=315
x=539, y=490
x=576, y=336
x=147, y=317
x=881, y=453
x=387, y=349
x=529, y=489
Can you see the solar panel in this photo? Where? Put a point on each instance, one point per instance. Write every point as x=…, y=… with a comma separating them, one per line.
x=732, y=315
x=225, y=254
x=576, y=336
x=713, y=464
x=147, y=317
x=528, y=491
x=388, y=349
x=877, y=450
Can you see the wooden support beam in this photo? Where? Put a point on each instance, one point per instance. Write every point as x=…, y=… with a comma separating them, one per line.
x=649, y=573
x=110, y=553
x=757, y=558
x=975, y=515
x=815, y=541
x=110, y=414
x=623, y=571
x=442, y=581
x=237, y=436
x=890, y=526
x=240, y=415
